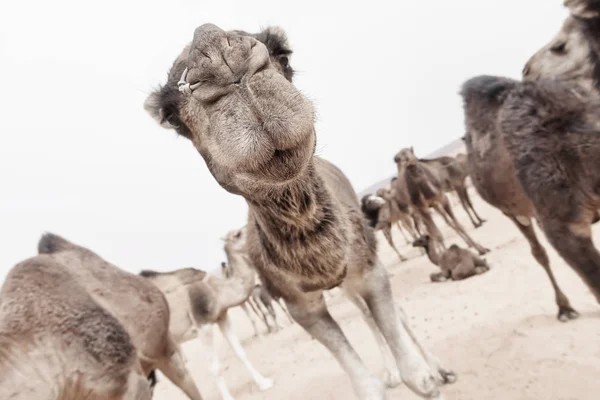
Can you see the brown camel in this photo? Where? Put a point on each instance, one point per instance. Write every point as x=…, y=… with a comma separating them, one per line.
x=73, y=326
x=456, y=263
x=426, y=190
x=452, y=172
x=378, y=213
x=401, y=218
x=199, y=301
x=399, y=192
x=531, y=146
x=231, y=94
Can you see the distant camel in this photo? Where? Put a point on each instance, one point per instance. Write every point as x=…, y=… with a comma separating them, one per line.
x=377, y=211
x=73, y=326
x=452, y=173
x=533, y=146
x=455, y=263
x=198, y=301
x=426, y=191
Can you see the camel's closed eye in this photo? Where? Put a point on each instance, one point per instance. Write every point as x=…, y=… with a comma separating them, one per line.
x=559, y=48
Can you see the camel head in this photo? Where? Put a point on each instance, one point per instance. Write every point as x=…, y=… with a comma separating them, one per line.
x=235, y=241
x=423, y=241
x=573, y=53
x=370, y=205
x=406, y=157
x=230, y=93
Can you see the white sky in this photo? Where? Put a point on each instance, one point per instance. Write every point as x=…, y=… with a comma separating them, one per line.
x=80, y=157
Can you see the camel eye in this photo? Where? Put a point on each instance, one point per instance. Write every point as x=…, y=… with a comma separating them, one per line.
x=284, y=61
x=559, y=48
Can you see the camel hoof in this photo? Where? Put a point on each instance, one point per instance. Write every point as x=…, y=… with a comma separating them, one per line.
x=392, y=379
x=483, y=251
x=448, y=377
x=266, y=384
x=567, y=314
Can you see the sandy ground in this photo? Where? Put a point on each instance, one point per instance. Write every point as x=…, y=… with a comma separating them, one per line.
x=497, y=331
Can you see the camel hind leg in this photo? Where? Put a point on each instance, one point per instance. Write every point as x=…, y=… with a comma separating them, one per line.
x=206, y=337
x=463, y=196
x=225, y=326
x=252, y=321
x=387, y=233
x=173, y=367
x=565, y=311
x=573, y=241
x=470, y=204
x=448, y=215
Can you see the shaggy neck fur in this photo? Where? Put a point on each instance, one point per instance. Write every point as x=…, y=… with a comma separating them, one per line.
x=299, y=232
x=591, y=30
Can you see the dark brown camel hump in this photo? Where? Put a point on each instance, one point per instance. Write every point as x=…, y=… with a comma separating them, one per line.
x=50, y=243
x=487, y=89
x=146, y=273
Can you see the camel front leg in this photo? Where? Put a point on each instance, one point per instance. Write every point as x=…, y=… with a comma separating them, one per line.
x=392, y=378
x=460, y=230
x=414, y=368
x=173, y=367
x=285, y=311
x=310, y=311
x=225, y=326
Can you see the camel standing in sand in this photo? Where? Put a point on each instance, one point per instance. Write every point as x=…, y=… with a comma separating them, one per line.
x=533, y=145
x=71, y=325
x=378, y=212
x=198, y=301
x=426, y=190
x=452, y=172
x=456, y=263
x=306, y=233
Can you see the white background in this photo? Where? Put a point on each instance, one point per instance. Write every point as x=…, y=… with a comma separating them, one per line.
x=80, y=157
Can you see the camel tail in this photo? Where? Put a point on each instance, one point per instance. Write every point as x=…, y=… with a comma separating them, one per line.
x=50, y=243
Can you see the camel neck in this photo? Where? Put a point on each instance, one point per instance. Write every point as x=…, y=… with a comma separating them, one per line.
x=239, y=266
x=297, y=211
x=432, y=253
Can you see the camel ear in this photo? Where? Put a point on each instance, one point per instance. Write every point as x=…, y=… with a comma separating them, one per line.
x=153, y=107
x=584, y=8
x=162, y=107
x=280, y=51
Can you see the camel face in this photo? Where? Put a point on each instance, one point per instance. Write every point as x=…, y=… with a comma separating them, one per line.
x=406, y=158
x=219, y=94
x=566, y=56
x=235, y=240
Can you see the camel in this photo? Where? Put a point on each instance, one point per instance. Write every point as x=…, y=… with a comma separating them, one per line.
x=399, y=192
x=401, y=218
x=248, y=305
x=456, y=263
x=199, y=301
x=531, y=146
x=426, y=190
x=306, y=233
x=73, y=326
x=377, y=211
x=452, y=172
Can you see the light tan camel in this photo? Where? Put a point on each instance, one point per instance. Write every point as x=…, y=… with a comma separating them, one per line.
x=532, y=146
x=73, y=326
x=452, y=172
x=198, y=301
x=426, y=191
x=248, y=305
x=378, y=213
x=230, y=94
x=456, y=263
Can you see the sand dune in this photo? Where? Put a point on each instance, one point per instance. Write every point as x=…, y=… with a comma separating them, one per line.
x=497, y=331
